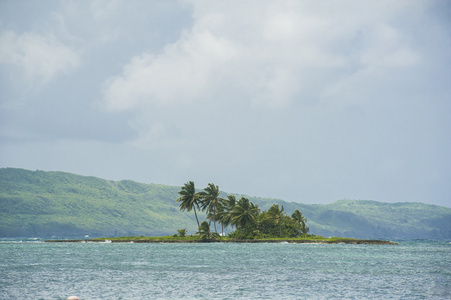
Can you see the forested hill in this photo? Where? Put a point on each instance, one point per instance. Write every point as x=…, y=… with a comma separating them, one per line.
x=45, y=204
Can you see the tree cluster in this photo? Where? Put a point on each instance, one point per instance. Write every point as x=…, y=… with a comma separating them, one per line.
x=242, y=214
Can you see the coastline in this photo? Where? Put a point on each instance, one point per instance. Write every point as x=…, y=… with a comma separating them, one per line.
x=289, y=241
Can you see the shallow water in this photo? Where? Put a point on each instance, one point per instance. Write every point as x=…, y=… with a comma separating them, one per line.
x=411, y=270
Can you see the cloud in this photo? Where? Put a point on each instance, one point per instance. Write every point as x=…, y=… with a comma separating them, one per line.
x=187, y=70
x=278, y=55
x=336, y=98
x=102, y=9
x=39, y=58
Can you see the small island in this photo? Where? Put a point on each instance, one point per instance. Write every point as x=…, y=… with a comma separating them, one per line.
x=195, y=239
x=251, y=225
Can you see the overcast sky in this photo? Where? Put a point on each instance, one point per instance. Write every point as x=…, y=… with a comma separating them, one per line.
x=306, y=101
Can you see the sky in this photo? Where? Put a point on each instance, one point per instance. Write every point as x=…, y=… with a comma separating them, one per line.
x=305, y=101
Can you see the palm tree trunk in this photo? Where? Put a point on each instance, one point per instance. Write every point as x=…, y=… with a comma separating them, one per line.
x=214, y=217
x=196, y=216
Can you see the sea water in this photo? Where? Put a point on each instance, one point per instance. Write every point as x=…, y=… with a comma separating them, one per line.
x=410, y=270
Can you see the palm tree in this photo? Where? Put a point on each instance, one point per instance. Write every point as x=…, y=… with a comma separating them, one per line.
x=204, y=231
x=231, y=201
x=211, y=200
x=275, y=214
x=189, y=199
x=304, y=228
x=299, y=218
x=219, y=212
x=244, y=213
x=224, y=214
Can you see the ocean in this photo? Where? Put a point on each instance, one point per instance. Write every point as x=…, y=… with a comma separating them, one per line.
x=31, y=269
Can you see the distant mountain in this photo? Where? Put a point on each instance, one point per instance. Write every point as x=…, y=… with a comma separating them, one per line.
x=45, y=204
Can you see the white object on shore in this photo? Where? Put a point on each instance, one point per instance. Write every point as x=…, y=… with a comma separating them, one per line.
x=73, y=298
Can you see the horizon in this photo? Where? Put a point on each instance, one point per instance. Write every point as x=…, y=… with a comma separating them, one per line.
x=303, y=101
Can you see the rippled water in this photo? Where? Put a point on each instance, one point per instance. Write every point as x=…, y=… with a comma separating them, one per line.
x=411, y=270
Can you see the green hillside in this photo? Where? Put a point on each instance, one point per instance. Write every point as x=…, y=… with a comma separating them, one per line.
x=56, y=203
x=45, y=204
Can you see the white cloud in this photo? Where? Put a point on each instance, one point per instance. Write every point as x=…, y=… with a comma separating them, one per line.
x=185, y=71
x=270, y=55
x=102, y=9
x=40, y=58
x=335, y=98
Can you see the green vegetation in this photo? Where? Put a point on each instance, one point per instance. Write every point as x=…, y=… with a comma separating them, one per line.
x=169, y=238
x=271, y=224
x=242, y=214
x=181, y=232
x=46, y=204
x=198, y=239
x=49, y=204
x=299, y=218
x=205, y=233
x=210, y=201
x=189, y=199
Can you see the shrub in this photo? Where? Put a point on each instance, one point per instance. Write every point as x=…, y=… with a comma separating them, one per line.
x=182, y=232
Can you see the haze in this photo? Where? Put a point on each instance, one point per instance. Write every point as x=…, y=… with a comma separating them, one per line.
x=306, y=101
